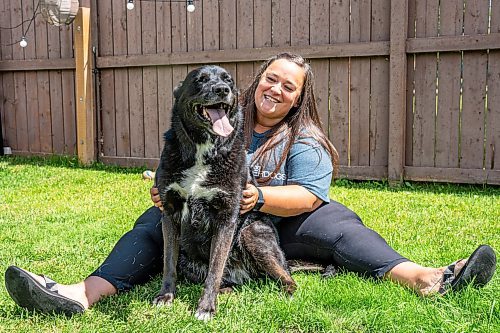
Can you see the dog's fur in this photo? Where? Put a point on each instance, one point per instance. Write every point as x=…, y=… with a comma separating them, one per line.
x=200, y=178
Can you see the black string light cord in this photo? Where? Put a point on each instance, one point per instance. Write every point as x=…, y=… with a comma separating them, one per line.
x=35, y=14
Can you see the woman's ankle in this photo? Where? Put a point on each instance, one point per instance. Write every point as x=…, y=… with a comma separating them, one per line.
x=418, y=278
x=95, y=288
x=75, y=292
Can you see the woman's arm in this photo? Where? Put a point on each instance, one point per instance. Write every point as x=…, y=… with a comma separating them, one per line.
x=287, y=200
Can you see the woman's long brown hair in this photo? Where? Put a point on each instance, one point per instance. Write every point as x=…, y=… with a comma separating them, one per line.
x=301, y=119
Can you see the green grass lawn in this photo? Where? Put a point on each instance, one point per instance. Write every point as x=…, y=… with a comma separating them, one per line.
x=60, y=219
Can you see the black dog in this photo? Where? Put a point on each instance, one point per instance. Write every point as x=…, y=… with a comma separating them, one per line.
x=200, y=179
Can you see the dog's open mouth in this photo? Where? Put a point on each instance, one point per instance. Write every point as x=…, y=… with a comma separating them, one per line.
x=217, y=115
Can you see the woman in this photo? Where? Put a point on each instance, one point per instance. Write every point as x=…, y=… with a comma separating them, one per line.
x=293, y=161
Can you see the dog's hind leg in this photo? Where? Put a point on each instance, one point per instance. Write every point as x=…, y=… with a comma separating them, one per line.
x=171, y=235
x=260, y=240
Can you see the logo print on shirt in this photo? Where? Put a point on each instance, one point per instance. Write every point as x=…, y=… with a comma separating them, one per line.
x=258, y=173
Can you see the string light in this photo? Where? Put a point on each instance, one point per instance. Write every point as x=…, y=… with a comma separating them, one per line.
x=130, y=4
x=190, y=6
x=24, y=42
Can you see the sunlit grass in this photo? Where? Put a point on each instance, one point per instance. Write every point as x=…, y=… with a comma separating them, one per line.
x=61, y=219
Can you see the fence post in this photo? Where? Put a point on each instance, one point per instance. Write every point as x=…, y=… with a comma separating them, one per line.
x=397, y=89
x=85, y=115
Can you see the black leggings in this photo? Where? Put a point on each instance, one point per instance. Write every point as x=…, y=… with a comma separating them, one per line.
x=332, y=234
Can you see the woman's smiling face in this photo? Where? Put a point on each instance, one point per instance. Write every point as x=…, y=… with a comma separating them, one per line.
x=278, y=91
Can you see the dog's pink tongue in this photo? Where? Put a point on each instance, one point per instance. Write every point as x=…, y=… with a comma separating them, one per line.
x=220, y=123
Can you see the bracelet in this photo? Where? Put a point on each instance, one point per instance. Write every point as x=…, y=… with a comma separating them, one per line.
x=260, y=201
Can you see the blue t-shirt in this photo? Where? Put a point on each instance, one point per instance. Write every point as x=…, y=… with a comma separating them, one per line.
x=307, y=164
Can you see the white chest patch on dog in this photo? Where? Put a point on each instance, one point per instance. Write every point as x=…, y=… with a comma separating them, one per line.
x=194, y=177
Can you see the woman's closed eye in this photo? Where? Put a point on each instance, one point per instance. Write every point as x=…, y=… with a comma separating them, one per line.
x=271, y=79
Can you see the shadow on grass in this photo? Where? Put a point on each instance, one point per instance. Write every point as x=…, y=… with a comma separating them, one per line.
x=421, y=187
x=68, y=162
x=120, y=306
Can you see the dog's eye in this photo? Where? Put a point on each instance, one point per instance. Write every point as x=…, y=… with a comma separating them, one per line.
x=227, y=78
x=204, y=78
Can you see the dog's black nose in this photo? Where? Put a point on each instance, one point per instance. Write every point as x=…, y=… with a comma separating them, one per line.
x=221, y=89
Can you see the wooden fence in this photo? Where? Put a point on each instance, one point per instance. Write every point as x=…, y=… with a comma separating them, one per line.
x=407, y=89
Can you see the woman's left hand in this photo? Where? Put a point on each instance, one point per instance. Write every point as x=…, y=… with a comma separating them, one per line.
x=249, y=198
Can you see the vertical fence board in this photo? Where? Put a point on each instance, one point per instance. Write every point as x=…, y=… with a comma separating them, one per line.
x=107, y=79
x=6, y=37
x=16, y=18
x=31, y=83
x=492, y=160
x=379, y=85
x=122, y=123
x=211, y=34
x=474, y=89
x=56, y=110
x=425, y=86
x=28, y=12
x=359, y=111
x=195, y=30
x=69, y=107
x=410, y=85
x=448, y=108
x=320, y=35
x=178, y=20
x=7, y=96
x=44, y=109
x=227, y=38
x=262, y=12
x=150, y=82
x=280, y=22
x=164, y=44
x=8, y=110
x=136, y=108
x=179, y=26
x=299, y=26
x=66, y=36
x=107, y=90
x=20, y=106
x=135, y=87
x=244, y=39
x=228, y=20
x=339, y=82
x=68, y=89
x=32, y=112
x=262, y=35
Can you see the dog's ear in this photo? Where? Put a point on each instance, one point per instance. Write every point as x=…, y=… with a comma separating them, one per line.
x=177, y=90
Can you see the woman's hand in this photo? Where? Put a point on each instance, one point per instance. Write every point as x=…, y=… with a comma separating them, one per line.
x=249, y=199
x=155, y=197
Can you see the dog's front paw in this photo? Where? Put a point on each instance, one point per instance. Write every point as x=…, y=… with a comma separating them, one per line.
x=204, y=315
x=164, y=299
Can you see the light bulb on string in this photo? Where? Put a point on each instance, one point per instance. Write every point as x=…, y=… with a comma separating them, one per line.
x=24, y=42
x=190, y=6
x=130, y=4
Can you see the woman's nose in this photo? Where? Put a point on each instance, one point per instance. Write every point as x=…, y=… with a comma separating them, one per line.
x=276, y=87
